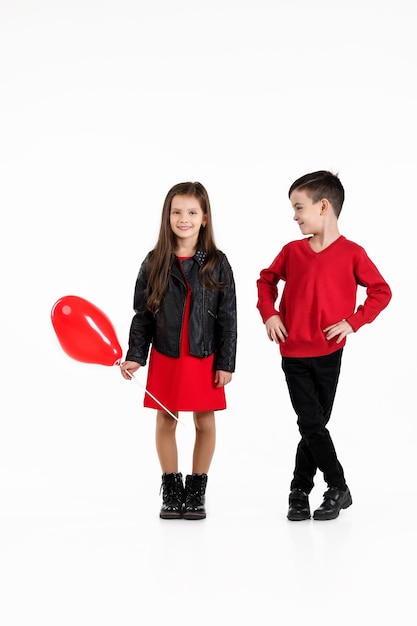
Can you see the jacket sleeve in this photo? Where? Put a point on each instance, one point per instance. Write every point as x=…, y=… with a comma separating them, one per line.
x=267, y=285
x=226, y=322
x=378, y=292
x=142, y=326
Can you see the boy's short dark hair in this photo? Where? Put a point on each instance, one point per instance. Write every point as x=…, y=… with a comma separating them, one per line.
x=319, y=185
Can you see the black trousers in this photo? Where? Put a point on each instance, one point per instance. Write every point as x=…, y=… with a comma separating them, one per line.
x=312, y=384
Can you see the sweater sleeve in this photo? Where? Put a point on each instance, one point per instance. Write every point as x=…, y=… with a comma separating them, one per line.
x=378, y=292
x=267, y=285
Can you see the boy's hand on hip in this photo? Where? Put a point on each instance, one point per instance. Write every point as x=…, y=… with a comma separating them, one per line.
x=339, y=330
x=275, y=329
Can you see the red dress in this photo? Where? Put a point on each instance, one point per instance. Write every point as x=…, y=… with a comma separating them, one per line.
x=186, y=383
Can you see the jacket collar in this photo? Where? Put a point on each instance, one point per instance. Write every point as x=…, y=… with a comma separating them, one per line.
x=200, y=256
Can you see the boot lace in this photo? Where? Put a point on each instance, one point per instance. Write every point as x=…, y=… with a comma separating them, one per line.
x=171, y=489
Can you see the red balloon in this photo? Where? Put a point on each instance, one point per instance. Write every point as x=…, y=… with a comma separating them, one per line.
x=85, y=333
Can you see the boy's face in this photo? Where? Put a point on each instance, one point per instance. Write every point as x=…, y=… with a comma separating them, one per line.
x=307, y=214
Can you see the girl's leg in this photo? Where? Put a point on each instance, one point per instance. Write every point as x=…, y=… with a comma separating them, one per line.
x=205, y=441
x=172, y=483
x=195, y=483
x=166, y=444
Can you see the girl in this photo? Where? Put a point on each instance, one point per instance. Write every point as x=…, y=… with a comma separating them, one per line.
x=185, y=306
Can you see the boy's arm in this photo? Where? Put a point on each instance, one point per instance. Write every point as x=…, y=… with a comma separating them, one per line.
x=267, y=288
x=378, y=292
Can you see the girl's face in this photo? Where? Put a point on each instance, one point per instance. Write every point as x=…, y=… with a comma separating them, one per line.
x=186, y=217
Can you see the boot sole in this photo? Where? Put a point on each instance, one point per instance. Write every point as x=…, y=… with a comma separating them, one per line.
x=168, y=516
x=194, y=516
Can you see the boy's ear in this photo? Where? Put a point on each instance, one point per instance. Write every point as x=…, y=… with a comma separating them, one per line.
x=325, y=205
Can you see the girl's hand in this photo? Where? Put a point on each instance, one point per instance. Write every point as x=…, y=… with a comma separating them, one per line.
x=221, y=378
x=275, y=329
x=129, y=366
x=339, y=330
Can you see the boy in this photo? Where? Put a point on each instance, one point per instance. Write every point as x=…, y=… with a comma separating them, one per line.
x=316, y=313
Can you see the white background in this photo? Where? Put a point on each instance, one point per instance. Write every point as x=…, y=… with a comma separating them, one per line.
x=104, y=106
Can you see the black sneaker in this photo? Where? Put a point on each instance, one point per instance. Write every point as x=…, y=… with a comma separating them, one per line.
x=334, y=501
x=299, y=508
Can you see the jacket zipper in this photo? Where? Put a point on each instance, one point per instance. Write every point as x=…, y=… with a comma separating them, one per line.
x=204, y=323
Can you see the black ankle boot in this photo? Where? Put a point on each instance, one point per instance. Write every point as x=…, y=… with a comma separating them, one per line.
x=299, y=508
x=195, y=490
x=172, y=496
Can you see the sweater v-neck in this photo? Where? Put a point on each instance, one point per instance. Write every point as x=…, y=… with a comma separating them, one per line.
x=329, y=247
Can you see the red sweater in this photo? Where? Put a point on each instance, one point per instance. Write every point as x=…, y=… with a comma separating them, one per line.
x=320, y=290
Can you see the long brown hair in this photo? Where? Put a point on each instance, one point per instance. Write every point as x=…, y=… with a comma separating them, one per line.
x=162, y=256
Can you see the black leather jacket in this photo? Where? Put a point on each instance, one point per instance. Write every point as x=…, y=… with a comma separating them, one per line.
x=213, y=318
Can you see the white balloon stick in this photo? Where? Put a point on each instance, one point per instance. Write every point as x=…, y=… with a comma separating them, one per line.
x=153, y=397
